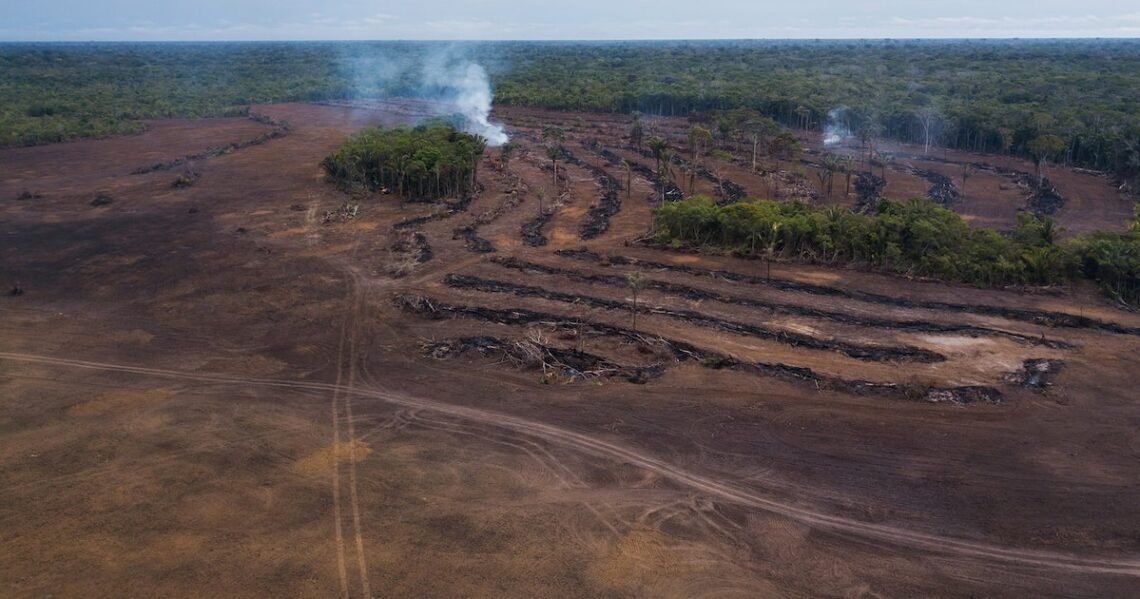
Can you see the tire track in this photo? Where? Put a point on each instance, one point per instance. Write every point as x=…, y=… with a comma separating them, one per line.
x=883, y=533
x=342, y=399
x=354, y=500
x=342, y=570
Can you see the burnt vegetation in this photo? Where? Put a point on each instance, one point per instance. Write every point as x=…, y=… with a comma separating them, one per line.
x=875, y=353
x=681, y=351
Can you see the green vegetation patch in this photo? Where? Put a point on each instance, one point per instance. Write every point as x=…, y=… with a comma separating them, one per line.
x=431, y=161
x=912, y=237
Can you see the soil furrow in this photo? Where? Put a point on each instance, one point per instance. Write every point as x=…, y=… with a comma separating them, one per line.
x=874, y=353
x=1040, y=317
x=696, y=294
x=683, y=351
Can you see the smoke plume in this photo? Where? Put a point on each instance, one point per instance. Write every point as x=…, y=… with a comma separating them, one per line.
x=455, y=84
x=468, y=90
x=837, y=128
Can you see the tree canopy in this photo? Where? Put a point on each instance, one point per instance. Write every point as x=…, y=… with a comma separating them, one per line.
x=913, y=237
x=977, y=95
x=430, y=161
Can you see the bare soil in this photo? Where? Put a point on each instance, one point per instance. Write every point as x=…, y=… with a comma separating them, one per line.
x=214, y=391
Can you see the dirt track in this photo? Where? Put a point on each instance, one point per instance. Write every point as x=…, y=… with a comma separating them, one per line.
x=210, y=391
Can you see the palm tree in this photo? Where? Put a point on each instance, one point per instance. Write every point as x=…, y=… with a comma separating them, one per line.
x=848, y=168
x=830, y=166
x=658, y=145
x=665, y=172
x=553, y=153
x=554, y=136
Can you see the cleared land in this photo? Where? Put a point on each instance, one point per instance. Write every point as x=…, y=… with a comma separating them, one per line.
x=223, y=389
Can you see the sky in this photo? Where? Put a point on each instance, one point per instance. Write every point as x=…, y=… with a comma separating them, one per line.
x=202, y=20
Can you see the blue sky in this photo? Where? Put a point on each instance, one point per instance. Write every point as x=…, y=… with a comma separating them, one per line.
x=156, y=20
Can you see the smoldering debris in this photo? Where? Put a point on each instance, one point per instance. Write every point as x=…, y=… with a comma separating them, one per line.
x=535, y=352
x=869, y=188
x=1036, y=373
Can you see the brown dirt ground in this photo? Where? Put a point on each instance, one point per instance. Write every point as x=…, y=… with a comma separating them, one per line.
x=207, y=391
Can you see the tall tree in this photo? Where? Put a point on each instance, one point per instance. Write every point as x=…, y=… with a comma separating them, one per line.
x=967, y=172
x=636, y=132
x=554, y=152
x=830, y=167
x=554, y=137
x=785, y=146
x=699, y=140
x=930, y=118
x=1042, y=148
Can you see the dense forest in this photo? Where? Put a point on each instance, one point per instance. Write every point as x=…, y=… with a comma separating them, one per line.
x=430, y=161
x=915, y=237
x=983, y=95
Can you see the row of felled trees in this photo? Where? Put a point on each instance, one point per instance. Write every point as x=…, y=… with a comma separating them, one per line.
x=914, y=237
x=430, y=161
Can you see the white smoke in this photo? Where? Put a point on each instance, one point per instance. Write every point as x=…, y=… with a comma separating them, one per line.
x=464, y=85
x=837, y=128
x=457, y=87
x=473, y=101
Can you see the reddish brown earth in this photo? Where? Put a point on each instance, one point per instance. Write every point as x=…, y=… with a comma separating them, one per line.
x=210, y=391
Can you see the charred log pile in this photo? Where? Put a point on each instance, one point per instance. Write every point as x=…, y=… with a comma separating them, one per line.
x=876, y=353
x=1044, y=199
x=280, y=129
x=597, y=219
x=869, y=188
x=414, y=245
x=1036, y=373
x=532, y=230
x=449, y=209
x=672, y=193
x=730, y=192
x=682, y=352
x=472, y=241
x=942, y=189
x=533, y=352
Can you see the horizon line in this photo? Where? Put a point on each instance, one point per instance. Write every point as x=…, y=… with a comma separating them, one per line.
x=581, y=40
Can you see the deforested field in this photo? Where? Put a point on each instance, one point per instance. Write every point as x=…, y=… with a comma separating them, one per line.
x=249, y=383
